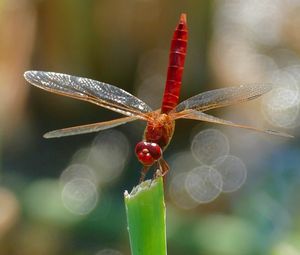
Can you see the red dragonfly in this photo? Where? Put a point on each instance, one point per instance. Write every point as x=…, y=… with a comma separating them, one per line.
x=161, y=122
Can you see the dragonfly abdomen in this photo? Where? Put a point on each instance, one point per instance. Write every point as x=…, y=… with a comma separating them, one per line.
x=176, y=66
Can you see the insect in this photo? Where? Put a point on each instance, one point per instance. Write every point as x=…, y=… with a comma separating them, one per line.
x=160, y=123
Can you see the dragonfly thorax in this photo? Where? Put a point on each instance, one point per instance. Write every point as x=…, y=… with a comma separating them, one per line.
x=159, y=130
x=147, y=153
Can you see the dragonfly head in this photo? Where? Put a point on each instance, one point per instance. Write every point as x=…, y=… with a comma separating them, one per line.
x=147, y=153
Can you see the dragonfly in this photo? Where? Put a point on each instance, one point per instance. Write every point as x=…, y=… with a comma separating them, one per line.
x=160, y=123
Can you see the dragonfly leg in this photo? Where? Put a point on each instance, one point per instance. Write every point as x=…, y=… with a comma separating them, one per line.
x=143, y=173
x=157, y=172
x=162, y=170
x=164, y=167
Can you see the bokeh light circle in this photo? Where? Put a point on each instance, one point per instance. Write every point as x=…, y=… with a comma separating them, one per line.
x=80, y=196
x=233, y=172
x=281, y=107
x=78, y=171
x=178, y=193
x=204, y=184
x=81, y=155
x=10, y=210
x=181, y=162
x=108, y=155
x=208, y=145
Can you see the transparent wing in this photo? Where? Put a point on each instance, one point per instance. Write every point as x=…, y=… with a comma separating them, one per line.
x=196, y=115
x=89, y=128
x=96, y=92
x=223, y=97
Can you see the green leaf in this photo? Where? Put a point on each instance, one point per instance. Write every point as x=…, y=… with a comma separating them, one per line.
x=146, y=218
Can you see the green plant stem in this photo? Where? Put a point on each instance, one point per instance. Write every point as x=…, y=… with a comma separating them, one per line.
x=146, y=218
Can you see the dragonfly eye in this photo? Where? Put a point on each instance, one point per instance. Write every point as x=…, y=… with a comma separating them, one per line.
x=148, y=153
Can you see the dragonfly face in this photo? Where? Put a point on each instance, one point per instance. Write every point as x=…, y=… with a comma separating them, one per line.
x=148, y=153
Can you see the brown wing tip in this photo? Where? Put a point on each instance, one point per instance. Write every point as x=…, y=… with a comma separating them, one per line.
x=182, y=19
x=272, y=132
x=27, y=75
x=31, y=76
x=51, y=134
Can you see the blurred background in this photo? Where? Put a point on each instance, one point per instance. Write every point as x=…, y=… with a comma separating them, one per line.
x=229, y=191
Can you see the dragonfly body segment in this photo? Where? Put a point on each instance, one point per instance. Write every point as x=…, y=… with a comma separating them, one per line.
x=159, y=129
x=176, y=66
x=160, y=123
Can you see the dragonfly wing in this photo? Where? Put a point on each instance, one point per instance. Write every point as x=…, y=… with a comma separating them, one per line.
x=89, y=128
x=223, y=97
x=96, y=92
x=196, y=115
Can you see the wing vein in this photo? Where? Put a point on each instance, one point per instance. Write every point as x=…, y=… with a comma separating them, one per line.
x=223, y=97
x=196, y=115
x=89, y=128
x=99, y=93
